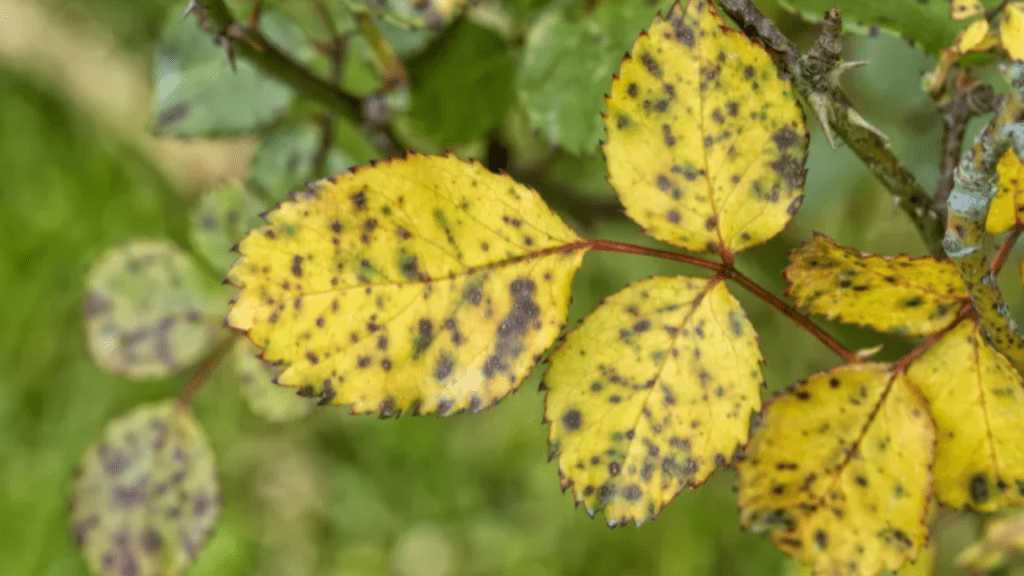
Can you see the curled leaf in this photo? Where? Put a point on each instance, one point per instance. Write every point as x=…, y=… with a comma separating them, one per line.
x=976, y=399
x=146, y=497
x=425, y=284
x=891, y=294
x=706, y=141
x=149, y=312
x=651, y=393
x=838, y=471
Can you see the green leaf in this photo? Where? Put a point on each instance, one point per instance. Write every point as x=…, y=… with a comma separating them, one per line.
x=198, y=94
x=146, y=497
x=461, y=85
x=568, y=62
x=221, y=218
x=925, y=23
x=255, y=379
x=149, y=311
x=285, y=159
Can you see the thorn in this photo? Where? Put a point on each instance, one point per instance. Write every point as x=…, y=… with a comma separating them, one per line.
x=192, y=7
x=229, y=48
x=819, y=103
x=857, y=120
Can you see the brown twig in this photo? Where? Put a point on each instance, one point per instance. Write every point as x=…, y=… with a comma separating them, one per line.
x=969, y=99
x=999, y=260
x=204, y=370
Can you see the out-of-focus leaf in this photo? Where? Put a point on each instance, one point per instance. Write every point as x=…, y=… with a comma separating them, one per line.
x=146, y=497
x=1002, y=536
x=462, y=85
x=411, y=13
x=255, y=380
x=196, y=91
x=221, y=218
x=926, y=24
x=964, y=9
x=1011, y=30
x=568, y=62
x=149, y=311
x=285, y=159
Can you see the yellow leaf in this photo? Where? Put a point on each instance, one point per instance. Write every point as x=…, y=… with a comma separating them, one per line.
x=838, y=471
x=923, y=566
x=706, y=143
x=1011, y=30
x=423, y=284
x=964, y=9
x=891, y=294
x=977, y=402
x=974, y=38
x=1007, y=209
x=651, y=393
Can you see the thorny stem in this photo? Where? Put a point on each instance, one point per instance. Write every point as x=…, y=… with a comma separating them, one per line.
x=815, y=77
x=728, y=272
x=957, y=110
x=202, y=373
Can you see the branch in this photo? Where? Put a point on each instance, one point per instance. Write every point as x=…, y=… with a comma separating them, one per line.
x=957, y=111
x=251, y=44
x=966, y=241
x=816, y=76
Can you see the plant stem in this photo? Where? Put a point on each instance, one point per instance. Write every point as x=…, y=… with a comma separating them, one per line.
x=957, y=110
x=965, y=312
x=1004, y=250
x=728, y=272
x=202, y=373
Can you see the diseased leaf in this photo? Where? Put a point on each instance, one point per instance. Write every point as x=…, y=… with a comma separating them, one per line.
x=706, y=143
x=146, y=496
x=976, y=399
x=1007, y=208
x=925, y=24
x=888, y=293
x=964, y=9
x=1011, y=30
x=272, y=402
x=421, y=284
x=149, y=312
x=838, y=471
x=650, y=394
x=570, y=55
x=221, y=218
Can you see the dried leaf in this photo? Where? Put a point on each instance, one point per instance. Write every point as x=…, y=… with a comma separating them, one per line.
x=255, y=378
x=652, y=392
x=890, y=294
x=1011, y=30
x=146, y=495
x=422, y=284
x=838, y=471
x=706, y=142
x=964, y=9
x=149, y=312
x=976, y=399
x=1007, y=208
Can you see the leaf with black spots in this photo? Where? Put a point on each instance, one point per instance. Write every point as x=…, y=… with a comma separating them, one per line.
x=223, y=215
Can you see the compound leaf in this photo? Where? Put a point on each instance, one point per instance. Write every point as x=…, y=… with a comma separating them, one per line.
x=651, y=393
x=146, y=497
x=706, y=142
x=425, y=284
x=149, y=311
x=890, y=294
x=1007, y=209
x=220, y=219
x=255, y=379
x=838, y=471
x=976, y=399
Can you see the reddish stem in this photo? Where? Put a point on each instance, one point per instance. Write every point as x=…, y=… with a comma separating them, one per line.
x=1004, y=250
x=727, y=271
x=966, y=311
x=203, y=372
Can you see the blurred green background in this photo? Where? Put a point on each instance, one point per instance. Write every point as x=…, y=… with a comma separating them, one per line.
x=332, y=494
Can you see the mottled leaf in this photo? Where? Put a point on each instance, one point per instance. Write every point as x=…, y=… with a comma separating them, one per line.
x=1011, y=30
x=964, y=9
x=146, y=497
x=651, y=393
x=425, y=284
x=1007, y=208
x=888, y=293
x=255, y=379
x=976, y=399
x=287, y=156
x=569, y=58
x=706, y=142
x=149, y=311
x=924, y=23
x=220, y=219
x=839, y=471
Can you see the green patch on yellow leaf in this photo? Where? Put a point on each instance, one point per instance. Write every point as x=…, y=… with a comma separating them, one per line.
x=146, y=497
x=1011, y=30
x=1007, y=208
x=838, y=471
x=651, y=393
x=977, y=403
x=706, y=143
x=425, y=284
x=891, y=294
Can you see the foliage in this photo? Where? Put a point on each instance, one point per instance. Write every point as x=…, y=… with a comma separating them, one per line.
x=427, y=284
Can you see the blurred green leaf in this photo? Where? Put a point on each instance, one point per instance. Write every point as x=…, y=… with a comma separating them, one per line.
x=220, y=219
x=568, y=61
x=461, y=85
x=266, y=399
x=198, y=94
x=923, y=22
x=286, y=159
x=410, y=13
x=146, y=497
x=149, y=312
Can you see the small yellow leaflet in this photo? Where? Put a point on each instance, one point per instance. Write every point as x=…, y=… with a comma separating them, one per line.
x=1007, y=208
